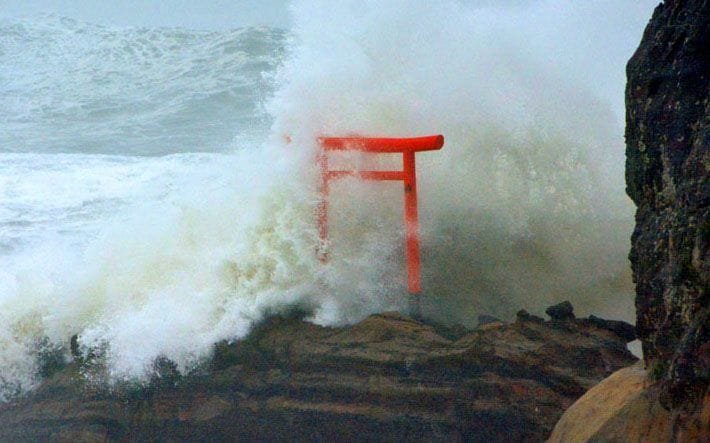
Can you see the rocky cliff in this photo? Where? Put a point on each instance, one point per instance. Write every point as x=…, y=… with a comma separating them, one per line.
x=668, y=155
x=388, y=377
x=667, y=158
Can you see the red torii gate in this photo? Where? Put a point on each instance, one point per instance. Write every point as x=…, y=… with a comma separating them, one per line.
x=408, y=147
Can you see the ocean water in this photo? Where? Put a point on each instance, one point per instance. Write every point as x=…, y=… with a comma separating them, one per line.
x=149, y=203
x=88, y=109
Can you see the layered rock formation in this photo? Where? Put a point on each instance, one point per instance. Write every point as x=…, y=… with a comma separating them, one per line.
x=387, y=378
x=668, y=155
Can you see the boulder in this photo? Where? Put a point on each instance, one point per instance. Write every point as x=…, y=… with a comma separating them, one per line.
x=561, y=311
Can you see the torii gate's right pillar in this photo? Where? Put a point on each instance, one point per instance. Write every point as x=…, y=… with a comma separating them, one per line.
x=411, y=223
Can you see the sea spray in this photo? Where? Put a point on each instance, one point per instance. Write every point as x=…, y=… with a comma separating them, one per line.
x=524, y=206
x=176, y=275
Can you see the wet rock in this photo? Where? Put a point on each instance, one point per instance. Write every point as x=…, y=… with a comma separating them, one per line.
x=561, y=311
x=389, y=377
x=524, y=316
x=667, y=159
x=622, y=329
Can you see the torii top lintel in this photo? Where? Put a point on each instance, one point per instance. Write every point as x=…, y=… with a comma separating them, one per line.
x=382, y=144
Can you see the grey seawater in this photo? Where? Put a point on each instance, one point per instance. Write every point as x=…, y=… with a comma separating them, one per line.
x=94, y=118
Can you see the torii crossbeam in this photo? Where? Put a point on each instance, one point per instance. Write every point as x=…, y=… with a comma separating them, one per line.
x=408, y=147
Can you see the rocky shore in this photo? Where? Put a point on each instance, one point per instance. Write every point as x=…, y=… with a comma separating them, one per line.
x=389, y=377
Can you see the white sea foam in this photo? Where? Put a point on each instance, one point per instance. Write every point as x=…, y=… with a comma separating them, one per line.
x=163, y=256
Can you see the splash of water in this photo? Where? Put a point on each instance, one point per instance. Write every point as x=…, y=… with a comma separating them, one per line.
x=524, y=206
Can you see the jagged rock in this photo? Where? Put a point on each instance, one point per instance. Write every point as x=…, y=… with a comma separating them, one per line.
x=667, y=159
x=561, y=311
x=388, y=377
x=624, y=330
x=524, y=316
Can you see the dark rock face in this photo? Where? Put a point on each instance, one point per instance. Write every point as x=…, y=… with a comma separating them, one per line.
x=620, y=328
x=387, y=378
x=667, y=160
x=561, y=311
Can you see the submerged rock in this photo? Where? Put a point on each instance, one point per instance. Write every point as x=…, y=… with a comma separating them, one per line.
x=388, y=377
